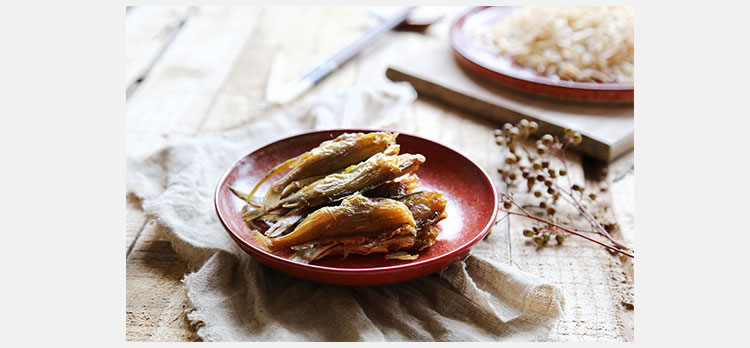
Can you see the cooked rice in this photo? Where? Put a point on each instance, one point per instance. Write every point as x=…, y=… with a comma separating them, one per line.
x=587, y=44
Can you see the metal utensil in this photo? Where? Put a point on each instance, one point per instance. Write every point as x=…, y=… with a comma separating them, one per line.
x=295, y=88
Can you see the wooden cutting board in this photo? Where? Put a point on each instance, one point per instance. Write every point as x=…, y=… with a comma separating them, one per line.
x=433, y=71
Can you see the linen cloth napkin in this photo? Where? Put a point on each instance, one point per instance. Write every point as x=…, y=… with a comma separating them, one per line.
x=235, y=298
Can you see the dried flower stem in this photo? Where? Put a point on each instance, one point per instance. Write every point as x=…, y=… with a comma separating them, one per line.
x=598, y=228
x=554, y=225
x=542, y=178
x=560, y=154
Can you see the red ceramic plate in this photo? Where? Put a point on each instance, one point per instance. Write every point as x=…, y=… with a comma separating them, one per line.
x=471, y=209
x=472, y=54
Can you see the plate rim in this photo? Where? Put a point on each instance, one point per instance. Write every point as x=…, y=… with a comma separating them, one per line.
x=312, y=267
x=456, y=28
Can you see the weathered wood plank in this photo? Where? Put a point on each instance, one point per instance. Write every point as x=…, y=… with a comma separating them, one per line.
x=155, y=297
x=324, y=31
x=182, y=85
x=148, y=31
x=622, y=178
x=278, y=53
x=622, y=195
x=135, y=221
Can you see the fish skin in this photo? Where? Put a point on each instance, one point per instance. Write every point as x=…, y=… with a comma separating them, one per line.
x=328, y=157
x=378, y=213
x=295, y=186
x=287, y=222
x=367, y=175
x=427, y=209
x=400, y=186
x=356, y=216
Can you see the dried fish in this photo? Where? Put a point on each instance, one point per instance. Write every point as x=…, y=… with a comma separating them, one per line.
x=401, y=255
x=359, y=178
x=360, y=246
x=328, y=157
x=287, y=222
x=294, y=186
x=357, y=216
x=274, y=216
x=238, y=193
x=400, y=186
x=350, y=195
x=427, y=209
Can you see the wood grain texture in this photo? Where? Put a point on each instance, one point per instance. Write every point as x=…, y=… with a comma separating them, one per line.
x=135, y=221
x=201, y=84
x=148, y=30
x=275, y=54
x=155, y=297
x=182, y=86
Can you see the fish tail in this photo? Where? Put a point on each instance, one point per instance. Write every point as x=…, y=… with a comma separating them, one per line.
x=262, y=241
x=392, y=150
x=253, y=214
x=272, y=198
x=278, y=169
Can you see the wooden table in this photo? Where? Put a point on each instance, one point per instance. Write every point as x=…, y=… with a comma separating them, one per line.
x=195, y=70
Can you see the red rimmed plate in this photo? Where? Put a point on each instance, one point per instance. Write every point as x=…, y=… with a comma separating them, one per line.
x=473, y=54
x=471, y=209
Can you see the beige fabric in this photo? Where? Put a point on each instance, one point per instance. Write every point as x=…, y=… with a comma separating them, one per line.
x=237, y=299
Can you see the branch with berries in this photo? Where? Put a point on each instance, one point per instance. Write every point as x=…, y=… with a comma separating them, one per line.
x=545, y=174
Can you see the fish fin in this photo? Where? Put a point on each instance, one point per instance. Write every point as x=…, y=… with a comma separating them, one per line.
x=392, y=150
x=410, y=163
x=285, y=224
x=292, y=204
x=253, y=214
x=272, y=218
x=311, y=252
x=298, y=258
x=238, y=193
x=401, y=255
x=278, y=169
x=272, y=199
x=289, y=189
x=243, y=196
x=263, y=241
